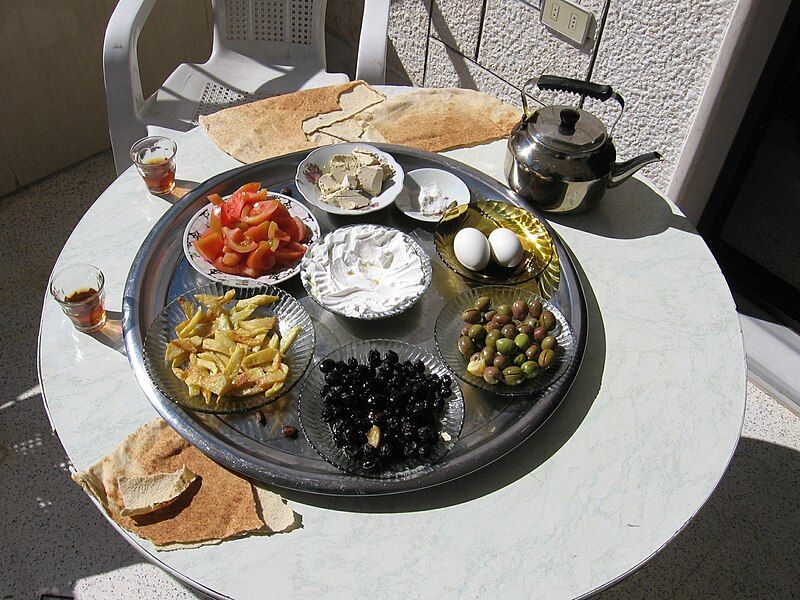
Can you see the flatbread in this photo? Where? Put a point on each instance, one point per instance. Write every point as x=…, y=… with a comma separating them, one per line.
x=350, y=103
x=217, y=505
x=274, y=126
x=440, y=119
x=273, y=510
x=351, y=130
x=143, y=495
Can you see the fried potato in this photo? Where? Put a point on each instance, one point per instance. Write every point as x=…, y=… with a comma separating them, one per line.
x=221, y=352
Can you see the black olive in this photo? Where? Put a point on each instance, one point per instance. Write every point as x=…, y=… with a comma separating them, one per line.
x=386, y=450
x=352, y=362
x=447, y=380
x=327, y=365
x=410, y=448
x=391, y=357
x=374, y=358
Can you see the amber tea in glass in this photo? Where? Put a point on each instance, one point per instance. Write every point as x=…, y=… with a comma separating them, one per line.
x=154, y=158
x=80, y=292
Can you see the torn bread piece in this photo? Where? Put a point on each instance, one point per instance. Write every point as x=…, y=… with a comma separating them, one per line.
x=351, y=102
x=273, y=510
x=274, y=126
x=350, y=130
x=149, y=493
x=217, y=506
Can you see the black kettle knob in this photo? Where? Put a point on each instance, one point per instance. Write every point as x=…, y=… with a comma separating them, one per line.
x=569, y=116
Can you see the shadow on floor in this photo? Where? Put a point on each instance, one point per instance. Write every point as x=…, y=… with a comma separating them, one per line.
x=744, y=543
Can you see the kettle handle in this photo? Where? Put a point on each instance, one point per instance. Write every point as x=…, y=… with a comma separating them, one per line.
x=575, y=86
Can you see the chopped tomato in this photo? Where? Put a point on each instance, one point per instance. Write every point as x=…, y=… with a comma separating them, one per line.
x=261, y=211
x=209, y=245
x=275, y=233
x=287, y=224
x=302, y=230
x=231, y=270
x=232, y=209
x=251, y=233
x=262, y=259
x=289, y=253
x=258, y=233
x=231, y=258
x=235, y=240
x=249, y=187
x=215, y=221
x=253, y=197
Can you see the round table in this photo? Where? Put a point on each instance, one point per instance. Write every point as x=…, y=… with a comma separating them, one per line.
x=632, y=453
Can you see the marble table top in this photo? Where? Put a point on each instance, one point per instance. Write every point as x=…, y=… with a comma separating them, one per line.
x=630, y=456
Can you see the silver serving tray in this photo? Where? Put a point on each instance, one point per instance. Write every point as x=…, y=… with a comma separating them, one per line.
x=493, y=425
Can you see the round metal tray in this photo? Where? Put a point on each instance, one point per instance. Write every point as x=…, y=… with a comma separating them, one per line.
x=493, y=425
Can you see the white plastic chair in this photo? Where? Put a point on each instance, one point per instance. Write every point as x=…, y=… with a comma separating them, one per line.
x=261, y=48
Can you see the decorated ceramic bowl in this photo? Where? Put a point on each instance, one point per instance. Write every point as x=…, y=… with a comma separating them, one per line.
x=315, y=164
x=199, y=224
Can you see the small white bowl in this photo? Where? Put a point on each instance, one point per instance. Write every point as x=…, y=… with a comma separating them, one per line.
x=449, y=185
x=314, y=165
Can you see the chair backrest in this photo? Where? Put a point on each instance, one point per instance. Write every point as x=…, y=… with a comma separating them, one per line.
x=290, y=29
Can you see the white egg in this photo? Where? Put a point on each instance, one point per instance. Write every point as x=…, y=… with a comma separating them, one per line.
x=506, y=249
x=472, y=249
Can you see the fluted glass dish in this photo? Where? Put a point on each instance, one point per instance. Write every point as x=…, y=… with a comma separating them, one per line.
x=448, y=329
x=318, y=432
x=286, y=310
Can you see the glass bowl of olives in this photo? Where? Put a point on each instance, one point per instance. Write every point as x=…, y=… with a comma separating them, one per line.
x=504, y=340
x=381, y=409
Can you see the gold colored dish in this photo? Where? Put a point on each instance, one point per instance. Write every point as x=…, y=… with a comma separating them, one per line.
x=486, y=216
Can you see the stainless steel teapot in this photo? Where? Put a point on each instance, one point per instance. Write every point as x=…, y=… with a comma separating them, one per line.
x=562, y=158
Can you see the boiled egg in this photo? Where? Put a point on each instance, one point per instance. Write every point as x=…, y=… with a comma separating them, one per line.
x=506, y=248
x=472, y=249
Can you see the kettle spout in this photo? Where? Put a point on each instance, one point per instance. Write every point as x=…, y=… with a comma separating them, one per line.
x=621, y=171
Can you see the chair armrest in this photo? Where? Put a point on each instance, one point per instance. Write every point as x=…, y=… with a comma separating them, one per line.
x=371, y=65
x=120, y=61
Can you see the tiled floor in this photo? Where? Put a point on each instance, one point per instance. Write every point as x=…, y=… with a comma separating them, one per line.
x=745, y=543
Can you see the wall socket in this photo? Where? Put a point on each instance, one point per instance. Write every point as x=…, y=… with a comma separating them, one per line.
x=567, y=18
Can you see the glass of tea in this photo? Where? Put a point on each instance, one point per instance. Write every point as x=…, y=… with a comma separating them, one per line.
x=79, y=291
x=154, y=158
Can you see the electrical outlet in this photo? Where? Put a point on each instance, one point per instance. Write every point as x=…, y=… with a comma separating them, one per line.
x=567, y=18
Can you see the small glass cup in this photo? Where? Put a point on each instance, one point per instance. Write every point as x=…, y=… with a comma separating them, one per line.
x=154, y=158
x=80, y=292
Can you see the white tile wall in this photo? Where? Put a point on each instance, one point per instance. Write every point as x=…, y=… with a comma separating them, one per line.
x=447, y=68
x=457, y=23
x=657, y=53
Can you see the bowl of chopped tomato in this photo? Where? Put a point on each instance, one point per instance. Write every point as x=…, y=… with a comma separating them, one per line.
x=251, y=237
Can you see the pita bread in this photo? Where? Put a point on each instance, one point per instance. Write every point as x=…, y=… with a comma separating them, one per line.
x=274, y=126
x=350, y=103
x=217, y=505
x=441, y=119
x=351, y=130
x=142, y=495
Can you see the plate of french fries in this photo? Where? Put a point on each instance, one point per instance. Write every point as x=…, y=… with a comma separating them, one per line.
x=221, y=350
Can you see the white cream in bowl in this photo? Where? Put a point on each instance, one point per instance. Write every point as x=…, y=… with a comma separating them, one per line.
x=366, y=271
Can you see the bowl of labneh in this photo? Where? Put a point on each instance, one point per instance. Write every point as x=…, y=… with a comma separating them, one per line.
x=366, y=271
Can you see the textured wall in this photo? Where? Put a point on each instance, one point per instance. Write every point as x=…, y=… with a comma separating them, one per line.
x=657, y=53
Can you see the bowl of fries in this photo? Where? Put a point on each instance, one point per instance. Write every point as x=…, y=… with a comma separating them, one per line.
x=221, y=350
